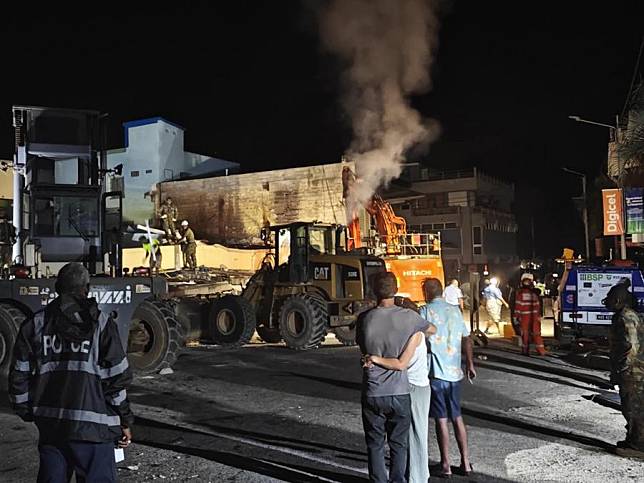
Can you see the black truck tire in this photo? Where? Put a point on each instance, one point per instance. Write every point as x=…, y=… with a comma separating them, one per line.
x=346, y=335
x=166, y=337
x=303, y=321
x=232, y=321
x=11, y=319
x=270, y=335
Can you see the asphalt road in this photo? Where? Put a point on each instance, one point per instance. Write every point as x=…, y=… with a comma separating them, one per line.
x=265, y=413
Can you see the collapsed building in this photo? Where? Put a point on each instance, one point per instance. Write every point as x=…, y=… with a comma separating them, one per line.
x=233, y=210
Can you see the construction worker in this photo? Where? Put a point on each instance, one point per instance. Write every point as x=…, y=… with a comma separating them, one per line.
x=527, y=312
x=152, y=247
x=627, y=365
x=7, y=239
x=188, y=246
x=168, y=214
x=69, y=375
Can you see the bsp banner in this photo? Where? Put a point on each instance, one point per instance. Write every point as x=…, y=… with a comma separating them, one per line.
x=613, y=212
x=634, y=210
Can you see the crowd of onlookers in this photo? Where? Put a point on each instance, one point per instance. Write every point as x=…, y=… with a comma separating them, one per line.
x=412, y=372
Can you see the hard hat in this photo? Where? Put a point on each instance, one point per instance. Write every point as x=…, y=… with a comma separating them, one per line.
x=184, y=223
x=528, y=276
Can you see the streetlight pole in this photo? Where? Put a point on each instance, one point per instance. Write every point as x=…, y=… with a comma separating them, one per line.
x=619, y=181
x=585, y=210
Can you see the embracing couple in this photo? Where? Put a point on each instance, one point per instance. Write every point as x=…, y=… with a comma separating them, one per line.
x=404, y=385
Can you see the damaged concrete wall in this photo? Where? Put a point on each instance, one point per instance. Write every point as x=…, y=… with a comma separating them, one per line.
x=233, y=209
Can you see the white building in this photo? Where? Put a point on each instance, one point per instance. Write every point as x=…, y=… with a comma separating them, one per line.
x=154, y=152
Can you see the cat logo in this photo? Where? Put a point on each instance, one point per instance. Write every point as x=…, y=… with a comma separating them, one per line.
x=112, y=297
x=321, y=273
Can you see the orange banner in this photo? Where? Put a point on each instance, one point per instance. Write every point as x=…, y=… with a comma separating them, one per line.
x=613, y=212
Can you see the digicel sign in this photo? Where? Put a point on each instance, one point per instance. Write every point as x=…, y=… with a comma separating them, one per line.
x=613, y=212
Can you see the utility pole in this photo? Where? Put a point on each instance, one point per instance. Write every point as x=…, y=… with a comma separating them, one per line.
x=620, y=184
x=585, y=209
x=585, y=196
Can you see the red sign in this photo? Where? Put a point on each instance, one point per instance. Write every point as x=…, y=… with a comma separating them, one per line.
x=613, y=212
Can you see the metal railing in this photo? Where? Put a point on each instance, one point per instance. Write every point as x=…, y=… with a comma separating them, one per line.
x=420, y=244
x=449, y=174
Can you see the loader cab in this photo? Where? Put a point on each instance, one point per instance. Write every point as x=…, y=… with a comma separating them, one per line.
x=298, y=244
x=315, y=254
x=61, y=197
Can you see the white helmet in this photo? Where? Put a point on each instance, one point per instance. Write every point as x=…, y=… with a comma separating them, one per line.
x=184, y=223
x=528, y=276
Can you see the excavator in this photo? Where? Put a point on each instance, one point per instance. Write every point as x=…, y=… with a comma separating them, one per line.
x=412, y=257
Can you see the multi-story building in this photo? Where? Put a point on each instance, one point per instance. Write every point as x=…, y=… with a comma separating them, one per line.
x=471, y=210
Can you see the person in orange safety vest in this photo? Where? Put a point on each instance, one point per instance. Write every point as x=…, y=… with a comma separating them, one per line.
x=527, y=310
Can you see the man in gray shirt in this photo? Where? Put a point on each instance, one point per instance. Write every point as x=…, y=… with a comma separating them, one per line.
x=386, y=408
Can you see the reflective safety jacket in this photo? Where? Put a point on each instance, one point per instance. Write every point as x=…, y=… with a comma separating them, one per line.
x=527, y=304
x=70, y=373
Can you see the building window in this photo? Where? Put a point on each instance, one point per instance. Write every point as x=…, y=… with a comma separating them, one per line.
x=450, y=225
x=148, y=171
x=437, y=200
x=134, y=174
x=414, y=229
x=477, y=240
x=438, y=226
x=457, y=198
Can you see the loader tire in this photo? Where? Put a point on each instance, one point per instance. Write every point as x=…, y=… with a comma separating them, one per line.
x=303, y=321
x=270, y=335
x=11, y=319
x=232, y=321
x=163, y=335
x=346, y=335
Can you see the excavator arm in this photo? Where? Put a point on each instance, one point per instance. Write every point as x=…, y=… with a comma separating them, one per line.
x=391, y=228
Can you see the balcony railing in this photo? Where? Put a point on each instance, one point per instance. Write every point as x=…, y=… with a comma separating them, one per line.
x=450, y=174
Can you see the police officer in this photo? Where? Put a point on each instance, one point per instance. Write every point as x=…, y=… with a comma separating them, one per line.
x=69, y=376
x=627, y=365
x=168, y=214
x=7, y=239
x=188, y=246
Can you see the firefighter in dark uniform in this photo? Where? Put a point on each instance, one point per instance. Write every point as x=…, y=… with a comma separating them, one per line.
x=188, y=246
x=69, y=376
x=168, y=214
x=627, y=365
x=7, y=239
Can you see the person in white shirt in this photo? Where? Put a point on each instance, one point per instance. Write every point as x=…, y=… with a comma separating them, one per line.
x=453, y=294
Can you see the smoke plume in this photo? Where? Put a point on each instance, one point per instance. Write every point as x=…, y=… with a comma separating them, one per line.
x=386, y=47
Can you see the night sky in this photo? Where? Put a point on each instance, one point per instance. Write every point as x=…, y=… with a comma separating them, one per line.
x=249, y=82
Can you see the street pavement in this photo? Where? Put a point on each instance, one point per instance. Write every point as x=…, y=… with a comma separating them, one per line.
x=266, y=413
